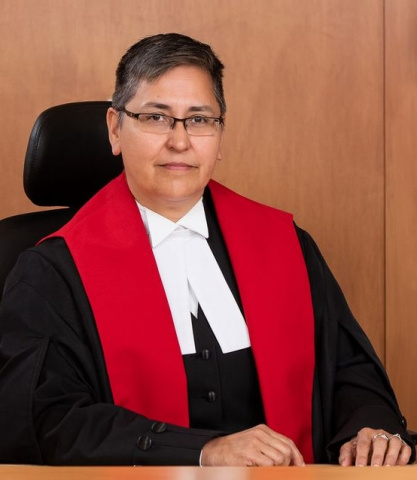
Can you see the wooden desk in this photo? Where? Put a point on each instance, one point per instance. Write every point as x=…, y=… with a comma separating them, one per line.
x=313, y=472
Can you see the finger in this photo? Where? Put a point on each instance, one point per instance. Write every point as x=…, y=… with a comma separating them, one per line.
x=405, y=455
x=393, y=451
x=283, y=446
x=405, y=450
x=399, y=452
x=258, y=459
x=347, y=453
x=291, y=452
x=363, y=448
x=264, y=455
x=380, y=446
x=277, y=457
x=287, y=454
x=297, y=459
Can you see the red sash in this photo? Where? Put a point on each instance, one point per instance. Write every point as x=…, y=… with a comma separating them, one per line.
x=111, y=250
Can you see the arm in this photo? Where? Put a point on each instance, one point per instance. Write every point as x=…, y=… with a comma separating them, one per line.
x=56, y=403
x=352, y=385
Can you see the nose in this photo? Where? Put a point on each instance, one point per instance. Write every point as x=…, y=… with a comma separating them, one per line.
x=178, y=138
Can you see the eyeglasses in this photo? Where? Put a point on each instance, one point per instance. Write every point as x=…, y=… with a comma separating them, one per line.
x=198, y=125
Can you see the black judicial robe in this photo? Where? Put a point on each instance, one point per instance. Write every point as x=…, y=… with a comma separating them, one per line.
x=56, y=404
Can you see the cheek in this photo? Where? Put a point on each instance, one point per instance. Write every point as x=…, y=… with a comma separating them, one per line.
x=209, y=156
x=136, y=167
x=138, y=154
x=206, y=148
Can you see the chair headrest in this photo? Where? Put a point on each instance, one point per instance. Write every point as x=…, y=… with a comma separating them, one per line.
x=69, y=157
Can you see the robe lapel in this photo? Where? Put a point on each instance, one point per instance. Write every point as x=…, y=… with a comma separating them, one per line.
x=111, y=250
x=275, y=292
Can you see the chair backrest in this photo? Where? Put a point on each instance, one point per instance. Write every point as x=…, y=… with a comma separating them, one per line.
x=68, y=159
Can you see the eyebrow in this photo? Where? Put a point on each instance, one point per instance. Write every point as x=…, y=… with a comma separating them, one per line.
x=194, y=108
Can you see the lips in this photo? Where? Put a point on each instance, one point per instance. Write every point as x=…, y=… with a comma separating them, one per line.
x=177, y=166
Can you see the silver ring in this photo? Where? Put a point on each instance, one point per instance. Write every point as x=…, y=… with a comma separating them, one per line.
x=397, y=435
x=380, y=435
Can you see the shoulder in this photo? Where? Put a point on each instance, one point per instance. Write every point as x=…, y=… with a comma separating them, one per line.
x=44, y=268
x=309, y=247
x=44, y=295
x=237, y=204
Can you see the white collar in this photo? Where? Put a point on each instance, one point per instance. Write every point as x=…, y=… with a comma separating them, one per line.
x=159, y=227
x=191, y=276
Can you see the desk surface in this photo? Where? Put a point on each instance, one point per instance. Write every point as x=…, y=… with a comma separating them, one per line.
x=313, y=472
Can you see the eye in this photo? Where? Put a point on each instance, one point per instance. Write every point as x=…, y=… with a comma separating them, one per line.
x=199, y=120
x=153, y=118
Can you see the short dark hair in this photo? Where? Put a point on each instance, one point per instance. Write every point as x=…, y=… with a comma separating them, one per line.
x=153, y=56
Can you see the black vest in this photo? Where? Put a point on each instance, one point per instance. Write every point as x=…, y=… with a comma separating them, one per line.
x=223, y=389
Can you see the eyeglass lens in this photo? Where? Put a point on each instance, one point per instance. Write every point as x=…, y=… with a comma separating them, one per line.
x=162, y=124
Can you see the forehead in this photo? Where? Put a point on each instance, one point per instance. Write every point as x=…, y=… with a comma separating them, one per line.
x=184, y=86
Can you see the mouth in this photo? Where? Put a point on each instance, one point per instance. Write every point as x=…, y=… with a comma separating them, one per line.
x=177, y=166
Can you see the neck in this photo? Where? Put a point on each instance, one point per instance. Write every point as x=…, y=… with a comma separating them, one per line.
x=171, y=210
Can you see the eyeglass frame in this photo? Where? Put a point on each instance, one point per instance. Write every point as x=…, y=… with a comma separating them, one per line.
x=219, y=120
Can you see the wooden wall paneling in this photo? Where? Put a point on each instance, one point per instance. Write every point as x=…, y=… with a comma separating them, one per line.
x=305, y=94
x=305, y=132
x=401, y=185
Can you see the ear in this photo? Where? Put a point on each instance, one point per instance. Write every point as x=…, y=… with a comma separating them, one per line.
x=113, y=128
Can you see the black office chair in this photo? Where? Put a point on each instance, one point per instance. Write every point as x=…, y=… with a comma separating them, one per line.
x=68, y=159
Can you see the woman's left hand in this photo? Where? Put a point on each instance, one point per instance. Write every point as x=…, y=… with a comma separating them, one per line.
x=376, y=448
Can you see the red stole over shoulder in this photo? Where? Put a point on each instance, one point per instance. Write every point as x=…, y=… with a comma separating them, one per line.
x=111, y=250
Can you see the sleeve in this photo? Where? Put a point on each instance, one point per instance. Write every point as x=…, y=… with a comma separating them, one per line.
x=56, y=402
x=352, y=389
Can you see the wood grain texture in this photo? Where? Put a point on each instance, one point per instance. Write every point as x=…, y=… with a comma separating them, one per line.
x=306, y=130
x=401, y=185
x=310, y=472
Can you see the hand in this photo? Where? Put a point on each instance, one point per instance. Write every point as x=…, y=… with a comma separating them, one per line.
x=257, y=446
x=376, y=448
